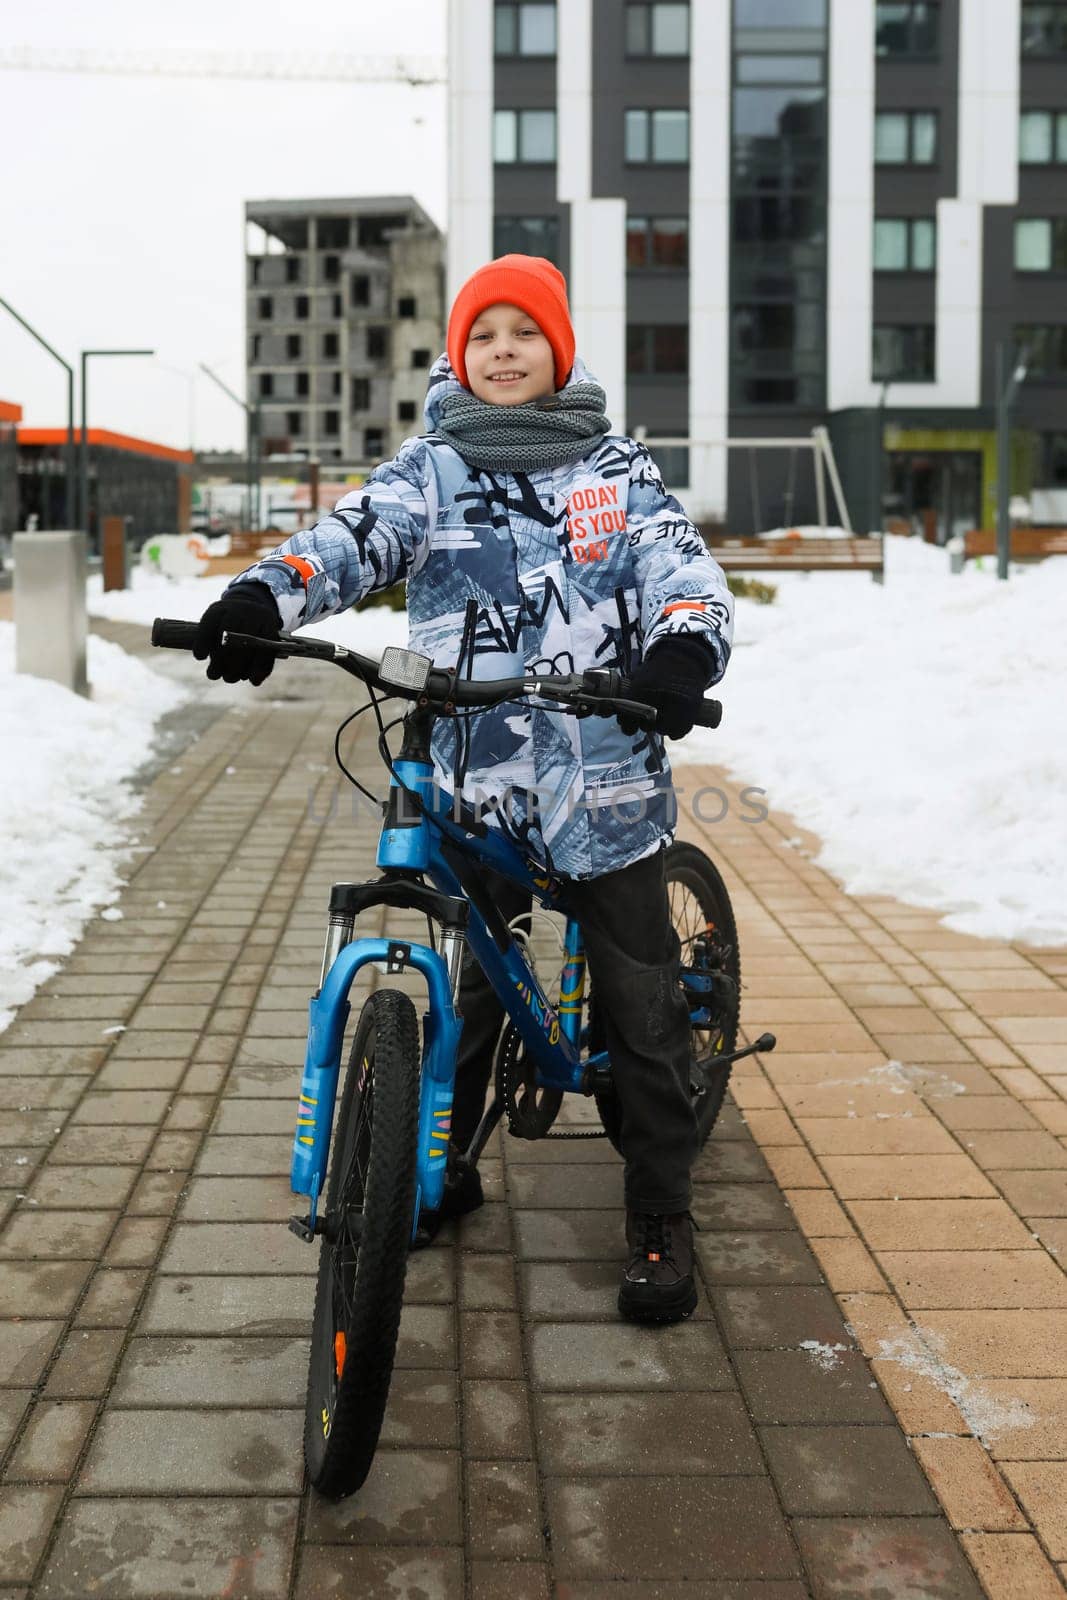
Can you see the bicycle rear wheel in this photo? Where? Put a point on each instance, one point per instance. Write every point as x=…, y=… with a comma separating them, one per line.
x=370, y=1197
x=703, y=919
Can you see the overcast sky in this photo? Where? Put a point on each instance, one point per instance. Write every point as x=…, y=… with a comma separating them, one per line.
x=121, y=205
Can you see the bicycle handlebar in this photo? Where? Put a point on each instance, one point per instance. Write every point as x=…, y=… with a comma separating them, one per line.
x=597, y=690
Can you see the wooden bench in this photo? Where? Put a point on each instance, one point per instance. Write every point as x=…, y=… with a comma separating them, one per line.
x=864, y=554
x=244, y=549
x=1027, y=544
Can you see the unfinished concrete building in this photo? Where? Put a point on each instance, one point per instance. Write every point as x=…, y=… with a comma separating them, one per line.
x=345, y=314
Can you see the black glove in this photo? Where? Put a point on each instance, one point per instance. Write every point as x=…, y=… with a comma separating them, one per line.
x=672, y=677
x=245, y=608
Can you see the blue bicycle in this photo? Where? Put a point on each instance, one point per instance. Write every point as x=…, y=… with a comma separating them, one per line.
x=391, y=1135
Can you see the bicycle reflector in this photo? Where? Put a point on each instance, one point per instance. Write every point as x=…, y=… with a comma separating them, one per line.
x=404, y=669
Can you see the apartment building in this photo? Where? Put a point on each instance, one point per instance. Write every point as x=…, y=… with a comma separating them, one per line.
x=344, y=313
x=782, y=214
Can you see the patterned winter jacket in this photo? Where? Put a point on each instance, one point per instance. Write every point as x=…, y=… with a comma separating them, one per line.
x=586, y=565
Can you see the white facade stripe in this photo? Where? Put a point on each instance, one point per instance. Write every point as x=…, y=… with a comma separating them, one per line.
x=597, y=279
x=850, y=205
x=470, y=139
x=709, y=256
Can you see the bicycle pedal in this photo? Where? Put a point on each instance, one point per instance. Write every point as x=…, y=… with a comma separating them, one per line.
x=301, y=1226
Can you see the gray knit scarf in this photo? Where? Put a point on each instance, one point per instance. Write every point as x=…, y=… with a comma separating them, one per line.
x=541, y=433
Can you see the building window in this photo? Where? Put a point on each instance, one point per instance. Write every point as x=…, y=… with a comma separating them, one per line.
x=293, y=346
x=1054, y=460
x=1042, y=137
x=331, y=424
x=657, y=30
x=331, y=346
x=332, y=233
x=256, y=345
x=903, y=353
x=905, y=138
x=421, y=358
x=303, y=307
x=655, y=242
x=1041, y=244
x=266, y=385
x=294, y=424
x=335, y=383
x=405, y=411
x=360, y=394
x=377, y=343
x=373, y=443
x=360, y=289
x=524, y=29
x=907, y=27
x=905, y=244
x=292, y=269
x=657, y=136
x=524, y=138
x=336, y=305
x=1045, y=347
x=303, y=385
x=772, y=14
x=655, y=348
x=779, y=69
x=527, y=236
x=331, y=268
x=1044, y=28
x=265, y=307
x=777, y=352
x=405, y=306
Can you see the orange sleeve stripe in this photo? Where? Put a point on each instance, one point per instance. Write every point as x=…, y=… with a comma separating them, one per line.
x=305, y=569
x=684, y=605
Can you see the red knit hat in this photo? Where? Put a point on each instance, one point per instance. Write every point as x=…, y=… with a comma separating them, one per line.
x=529, y=282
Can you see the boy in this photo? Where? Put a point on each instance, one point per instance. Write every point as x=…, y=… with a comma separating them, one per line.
x=534, y=539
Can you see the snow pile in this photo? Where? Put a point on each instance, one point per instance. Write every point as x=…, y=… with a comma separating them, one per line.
x=65, y=803
x=913, y=727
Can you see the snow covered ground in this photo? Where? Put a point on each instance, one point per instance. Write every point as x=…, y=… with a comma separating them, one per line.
x=66, y=803
x=915, y=727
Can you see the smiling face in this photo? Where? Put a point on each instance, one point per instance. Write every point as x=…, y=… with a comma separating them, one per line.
x=508, y=358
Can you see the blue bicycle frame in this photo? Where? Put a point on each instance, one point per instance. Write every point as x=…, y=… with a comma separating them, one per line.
x=551, y=1036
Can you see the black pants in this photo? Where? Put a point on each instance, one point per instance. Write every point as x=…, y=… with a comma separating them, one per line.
x=633, y=957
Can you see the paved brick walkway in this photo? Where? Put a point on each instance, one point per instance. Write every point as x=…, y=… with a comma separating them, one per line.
x=152, y=1357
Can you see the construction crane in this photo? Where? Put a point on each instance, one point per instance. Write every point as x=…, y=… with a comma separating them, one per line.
x=262, y=65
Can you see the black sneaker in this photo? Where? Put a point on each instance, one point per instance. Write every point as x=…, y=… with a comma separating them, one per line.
x=463, y=1193
x=658, y=1284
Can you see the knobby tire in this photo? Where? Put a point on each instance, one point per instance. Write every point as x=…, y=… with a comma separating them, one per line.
x=370, y=1198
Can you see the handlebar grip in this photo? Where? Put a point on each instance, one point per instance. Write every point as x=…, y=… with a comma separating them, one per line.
x=710, y=714
x=170, y=634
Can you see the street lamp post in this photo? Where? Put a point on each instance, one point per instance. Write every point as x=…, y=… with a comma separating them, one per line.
x=255, y=443
x=68, y=498
x=83, y=458
x=1006, y=396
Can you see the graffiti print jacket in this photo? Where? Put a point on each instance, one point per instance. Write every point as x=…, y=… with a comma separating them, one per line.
x=557, y=570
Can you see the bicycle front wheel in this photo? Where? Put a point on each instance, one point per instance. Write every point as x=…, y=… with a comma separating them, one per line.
x=370, y=1196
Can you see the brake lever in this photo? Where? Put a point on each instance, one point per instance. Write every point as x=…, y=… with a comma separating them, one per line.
x=600, y=706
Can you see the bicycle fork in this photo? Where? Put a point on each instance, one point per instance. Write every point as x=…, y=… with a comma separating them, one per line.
x=328, y=1013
